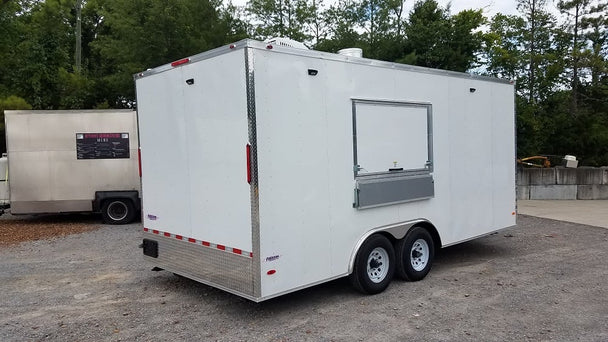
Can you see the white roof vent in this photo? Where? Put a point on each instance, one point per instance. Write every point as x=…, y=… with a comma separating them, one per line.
x=282, y=41
x=352, y=52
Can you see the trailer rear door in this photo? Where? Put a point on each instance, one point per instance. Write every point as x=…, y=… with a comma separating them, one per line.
x=193, y=120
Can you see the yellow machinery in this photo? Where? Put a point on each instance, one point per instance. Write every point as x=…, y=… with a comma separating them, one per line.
x=535, y=161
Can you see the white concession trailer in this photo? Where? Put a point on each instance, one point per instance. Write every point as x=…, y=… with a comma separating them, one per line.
x=62, y=161
x=267, y=169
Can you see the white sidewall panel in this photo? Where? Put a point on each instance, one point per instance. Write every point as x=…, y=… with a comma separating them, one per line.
x=472, y=165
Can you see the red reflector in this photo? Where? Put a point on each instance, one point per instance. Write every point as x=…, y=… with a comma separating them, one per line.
x=232, y=46
x=269, y=47
x=167, y=234
x=222, y=247
x=191, y=240
x=179, y=237
x=271, y=272
x=155, y=231
x=139, y=160
x=180, y=62
x=205, y=243
x=145, y=229
x=237, y=251
x=248, y=149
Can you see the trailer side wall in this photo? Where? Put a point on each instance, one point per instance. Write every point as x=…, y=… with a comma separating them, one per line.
x=45, y=172
x=308, y=225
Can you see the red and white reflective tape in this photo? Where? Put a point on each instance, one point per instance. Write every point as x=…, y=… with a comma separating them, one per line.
x=200, y=242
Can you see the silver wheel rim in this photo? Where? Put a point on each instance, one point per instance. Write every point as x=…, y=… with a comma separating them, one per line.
x=377, y=265
x=117, y=210
x=419, y=255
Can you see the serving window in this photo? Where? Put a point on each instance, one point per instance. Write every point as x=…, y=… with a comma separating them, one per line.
x=392, y=140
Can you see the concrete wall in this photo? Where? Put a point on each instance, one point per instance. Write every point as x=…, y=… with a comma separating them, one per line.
x=584, y=183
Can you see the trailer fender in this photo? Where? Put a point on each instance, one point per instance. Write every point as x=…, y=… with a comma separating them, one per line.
x=101, y=196
x=129, y=200
x=396, y=231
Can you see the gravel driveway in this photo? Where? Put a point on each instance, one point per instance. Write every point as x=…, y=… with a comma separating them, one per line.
x=544, y=280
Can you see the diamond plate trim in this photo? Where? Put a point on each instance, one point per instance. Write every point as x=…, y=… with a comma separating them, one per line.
x=255, y=205
x=213, y=266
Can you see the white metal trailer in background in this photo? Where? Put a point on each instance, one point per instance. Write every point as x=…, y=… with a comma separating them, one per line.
x=73, y=161
x=268, y=169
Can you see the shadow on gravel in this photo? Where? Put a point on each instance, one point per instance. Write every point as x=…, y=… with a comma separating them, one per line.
x=309, y=297
x=469, y=253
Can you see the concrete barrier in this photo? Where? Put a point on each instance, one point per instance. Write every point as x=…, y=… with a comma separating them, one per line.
x=591, y=192
x=585, y=183
x=560, y=192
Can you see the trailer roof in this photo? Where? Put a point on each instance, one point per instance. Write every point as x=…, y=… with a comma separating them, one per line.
x=259, y=45
x=66, y=111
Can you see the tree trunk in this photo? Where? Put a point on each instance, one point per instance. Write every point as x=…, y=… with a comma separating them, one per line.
x=78, y=47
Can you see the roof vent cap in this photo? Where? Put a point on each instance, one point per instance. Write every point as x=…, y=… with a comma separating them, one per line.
x=282, y=41
x=352, y=52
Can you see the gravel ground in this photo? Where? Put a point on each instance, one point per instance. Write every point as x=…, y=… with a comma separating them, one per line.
x=542, y=281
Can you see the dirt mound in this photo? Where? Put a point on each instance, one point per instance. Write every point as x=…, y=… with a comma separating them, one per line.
x=16, y=229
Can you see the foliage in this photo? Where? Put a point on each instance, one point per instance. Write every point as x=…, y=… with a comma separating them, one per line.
x=559, y=64
x=437, y=39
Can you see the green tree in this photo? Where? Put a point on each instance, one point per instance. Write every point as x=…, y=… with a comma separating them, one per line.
x=42, y=50
x=581, y=15
x=281, y=18
x=343, y=19
x=382, y=23
x=376, y=26
x=595, y=56
x=134, y=35
x=503, y=49
x=10, y=31
x=438, y=40
x=541, y=51
x=317, y=24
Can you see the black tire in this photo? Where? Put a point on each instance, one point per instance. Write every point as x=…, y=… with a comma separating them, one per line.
x=378, y=253
x=118, y=211
x=415, y=254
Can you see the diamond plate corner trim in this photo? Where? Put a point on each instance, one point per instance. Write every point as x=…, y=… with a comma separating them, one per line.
x=229, y=271
x=254, y=195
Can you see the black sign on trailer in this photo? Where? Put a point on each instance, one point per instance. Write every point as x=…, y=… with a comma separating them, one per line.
x=102, y=145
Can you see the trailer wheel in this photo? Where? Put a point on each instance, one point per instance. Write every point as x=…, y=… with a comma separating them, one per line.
x=374, y=265
x=415, y=253
x=118, y=211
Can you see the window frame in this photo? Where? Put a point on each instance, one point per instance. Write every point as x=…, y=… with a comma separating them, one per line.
x=427, y=169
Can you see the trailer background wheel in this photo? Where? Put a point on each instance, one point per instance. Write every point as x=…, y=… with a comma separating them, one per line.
x=415, y=254
x=374, y=265
x=118, y=211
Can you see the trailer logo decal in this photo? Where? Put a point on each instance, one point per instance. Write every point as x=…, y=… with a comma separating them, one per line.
x=152, y=217
x=220, y=247
x=272, y=258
